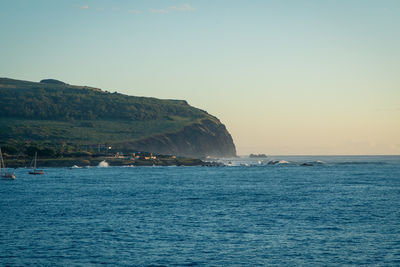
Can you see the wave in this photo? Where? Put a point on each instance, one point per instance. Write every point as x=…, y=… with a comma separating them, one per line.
x=103, y=164
x=75, y=167
x=278, y=162
x=313, y=163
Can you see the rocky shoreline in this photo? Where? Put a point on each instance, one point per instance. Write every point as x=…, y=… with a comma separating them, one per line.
x=91, y=161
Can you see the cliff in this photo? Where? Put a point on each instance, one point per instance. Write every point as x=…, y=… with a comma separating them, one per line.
x=202, y=139
x=53, y=113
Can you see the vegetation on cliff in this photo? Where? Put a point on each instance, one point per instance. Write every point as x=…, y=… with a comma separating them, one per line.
x=58, y=101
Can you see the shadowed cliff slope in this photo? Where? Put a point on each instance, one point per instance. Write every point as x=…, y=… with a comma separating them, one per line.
x=53, y=111
x=204, y=138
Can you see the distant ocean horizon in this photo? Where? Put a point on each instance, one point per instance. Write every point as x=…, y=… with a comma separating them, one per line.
x=279, y=210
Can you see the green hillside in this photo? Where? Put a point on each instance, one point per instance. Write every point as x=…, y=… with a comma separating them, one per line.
x=63, y=102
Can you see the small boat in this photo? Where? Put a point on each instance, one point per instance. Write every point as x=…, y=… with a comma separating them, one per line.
x=36, y=171
x=3, y=170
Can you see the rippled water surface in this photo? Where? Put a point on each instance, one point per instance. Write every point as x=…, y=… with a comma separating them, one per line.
x=345, y=211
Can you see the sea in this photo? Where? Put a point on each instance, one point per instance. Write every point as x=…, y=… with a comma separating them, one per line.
x=332, y=211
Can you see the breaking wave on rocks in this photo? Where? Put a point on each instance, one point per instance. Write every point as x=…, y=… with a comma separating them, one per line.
x=103, y=164
x=310, y=161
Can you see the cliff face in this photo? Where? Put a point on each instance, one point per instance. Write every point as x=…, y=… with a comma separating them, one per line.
x=206, y=138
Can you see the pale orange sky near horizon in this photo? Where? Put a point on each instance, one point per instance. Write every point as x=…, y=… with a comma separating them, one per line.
x=285, y=77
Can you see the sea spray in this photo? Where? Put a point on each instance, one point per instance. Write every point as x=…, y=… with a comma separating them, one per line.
x=103, y=164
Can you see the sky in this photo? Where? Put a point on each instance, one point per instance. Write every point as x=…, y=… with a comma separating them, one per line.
x=304, y=77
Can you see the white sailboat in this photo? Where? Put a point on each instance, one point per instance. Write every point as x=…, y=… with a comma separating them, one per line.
x=3, y=170
x=36, y=171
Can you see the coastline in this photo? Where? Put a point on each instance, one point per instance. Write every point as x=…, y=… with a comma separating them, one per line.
x=94, y=161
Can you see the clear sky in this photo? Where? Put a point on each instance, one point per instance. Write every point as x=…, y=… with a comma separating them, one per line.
x=285, y=77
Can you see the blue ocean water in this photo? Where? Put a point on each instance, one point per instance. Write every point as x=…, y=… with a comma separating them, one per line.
x=340, y=211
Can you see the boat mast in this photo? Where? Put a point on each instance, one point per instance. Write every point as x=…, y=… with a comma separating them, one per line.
x=2, y=162
x=34, y=165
